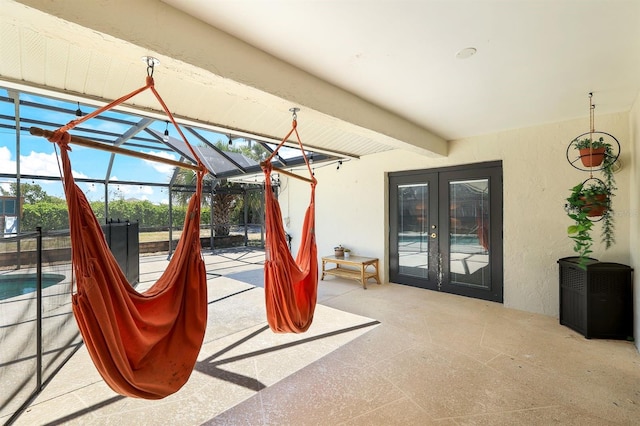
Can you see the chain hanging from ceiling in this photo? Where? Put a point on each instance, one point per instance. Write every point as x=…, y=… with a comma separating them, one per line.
x=588, y=151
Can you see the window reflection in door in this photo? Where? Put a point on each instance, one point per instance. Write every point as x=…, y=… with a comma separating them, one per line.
x=413, y=230
x=469, y=233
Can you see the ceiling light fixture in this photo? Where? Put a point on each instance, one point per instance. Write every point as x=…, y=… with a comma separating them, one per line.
x=466, y=53
x=166, y=132
x=79, y=112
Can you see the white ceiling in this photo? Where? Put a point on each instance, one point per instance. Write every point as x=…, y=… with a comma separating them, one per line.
x=536, y=62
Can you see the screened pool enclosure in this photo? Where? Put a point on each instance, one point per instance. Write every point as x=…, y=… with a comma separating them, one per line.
x=121, y=187
x=37, y=331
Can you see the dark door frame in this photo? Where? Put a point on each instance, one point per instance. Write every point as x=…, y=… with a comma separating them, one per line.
x=438, y=275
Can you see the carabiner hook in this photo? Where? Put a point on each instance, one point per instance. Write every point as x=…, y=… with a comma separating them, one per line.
x=294, y=112
x=151, y=63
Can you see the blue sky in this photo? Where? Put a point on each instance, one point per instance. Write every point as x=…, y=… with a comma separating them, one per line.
x=38, y=156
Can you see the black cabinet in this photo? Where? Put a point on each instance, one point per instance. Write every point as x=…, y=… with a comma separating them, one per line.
x=597, y=302
x=123, y=240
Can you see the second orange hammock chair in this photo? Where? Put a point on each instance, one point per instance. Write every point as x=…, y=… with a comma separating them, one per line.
x=290, y=285
x=144, y=345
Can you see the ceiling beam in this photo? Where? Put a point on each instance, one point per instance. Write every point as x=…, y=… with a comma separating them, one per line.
x=160, y=28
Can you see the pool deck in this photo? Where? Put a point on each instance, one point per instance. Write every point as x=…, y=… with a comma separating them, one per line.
x=433, y=359
x=240, y=355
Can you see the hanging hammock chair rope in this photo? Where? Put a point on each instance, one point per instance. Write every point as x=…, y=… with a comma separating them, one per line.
x=290, y=284
x=54, y=136
x=268, y=164
x=144, y=345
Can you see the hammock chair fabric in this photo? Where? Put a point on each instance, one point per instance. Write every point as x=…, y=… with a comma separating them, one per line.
x=144, y=345
x=290, y=284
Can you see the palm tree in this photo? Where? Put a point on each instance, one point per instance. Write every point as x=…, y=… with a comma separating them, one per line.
x=223, y=204
x=185, y=179
x=223, y=201
x=227, y=196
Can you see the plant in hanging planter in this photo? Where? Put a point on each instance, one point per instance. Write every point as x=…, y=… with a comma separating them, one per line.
x=586, y=202
x=593, y=153
x=590, y=201
x=595, y=198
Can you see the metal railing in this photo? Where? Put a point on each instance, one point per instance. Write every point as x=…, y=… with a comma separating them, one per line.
x=37, y=331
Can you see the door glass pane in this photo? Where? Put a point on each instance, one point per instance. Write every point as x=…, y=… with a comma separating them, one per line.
x=413, y=230
x=469, y=233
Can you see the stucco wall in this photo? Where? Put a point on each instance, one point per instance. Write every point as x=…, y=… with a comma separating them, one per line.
x=351, y=203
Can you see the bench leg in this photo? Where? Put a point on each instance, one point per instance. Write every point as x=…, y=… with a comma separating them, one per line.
x=377, y=277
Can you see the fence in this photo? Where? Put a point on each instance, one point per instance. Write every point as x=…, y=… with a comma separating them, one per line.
x=38, y=333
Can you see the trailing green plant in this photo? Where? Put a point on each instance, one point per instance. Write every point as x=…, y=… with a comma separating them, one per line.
x=584, y=198
x=582, y=195
x=610, y=183
x=580, y=231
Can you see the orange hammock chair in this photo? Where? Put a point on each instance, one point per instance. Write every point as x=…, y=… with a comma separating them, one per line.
x=144, y=345
x=290, y=285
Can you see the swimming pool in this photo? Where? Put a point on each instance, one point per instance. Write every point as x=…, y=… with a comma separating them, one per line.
x=12, y=285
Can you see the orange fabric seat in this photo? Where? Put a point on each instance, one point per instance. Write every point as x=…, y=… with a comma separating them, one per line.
x=144, y=345
x=290, y=284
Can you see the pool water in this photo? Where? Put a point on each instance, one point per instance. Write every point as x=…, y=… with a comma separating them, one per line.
x=13, y=285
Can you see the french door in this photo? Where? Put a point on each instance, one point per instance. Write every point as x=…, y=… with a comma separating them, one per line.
x=446, y=230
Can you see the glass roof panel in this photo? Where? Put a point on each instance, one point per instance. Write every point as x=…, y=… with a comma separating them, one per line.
x=134, y=132
x=288, y=153
x=38, y=158
x=131, y=169
x=217, y=163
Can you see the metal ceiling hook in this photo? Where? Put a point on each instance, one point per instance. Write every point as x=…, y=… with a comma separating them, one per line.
x=151, y=63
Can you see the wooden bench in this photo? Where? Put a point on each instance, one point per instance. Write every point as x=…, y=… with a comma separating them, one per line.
x=352, y=267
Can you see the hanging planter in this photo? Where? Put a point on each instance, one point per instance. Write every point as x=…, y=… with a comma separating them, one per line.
x=589, y=202
x=592, y=157
x=593, y=150
x=595, y=205
x=592, y=153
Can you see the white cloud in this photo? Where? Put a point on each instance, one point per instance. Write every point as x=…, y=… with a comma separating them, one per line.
x=140, y=192
x=46, y=164
x=161, y=167
x=39, y=163
x=36, y=163
x=78, y=175
x=6, y=165
x=90, y=187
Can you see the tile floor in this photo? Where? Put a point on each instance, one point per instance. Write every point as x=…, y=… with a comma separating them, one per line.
x=433, y=359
